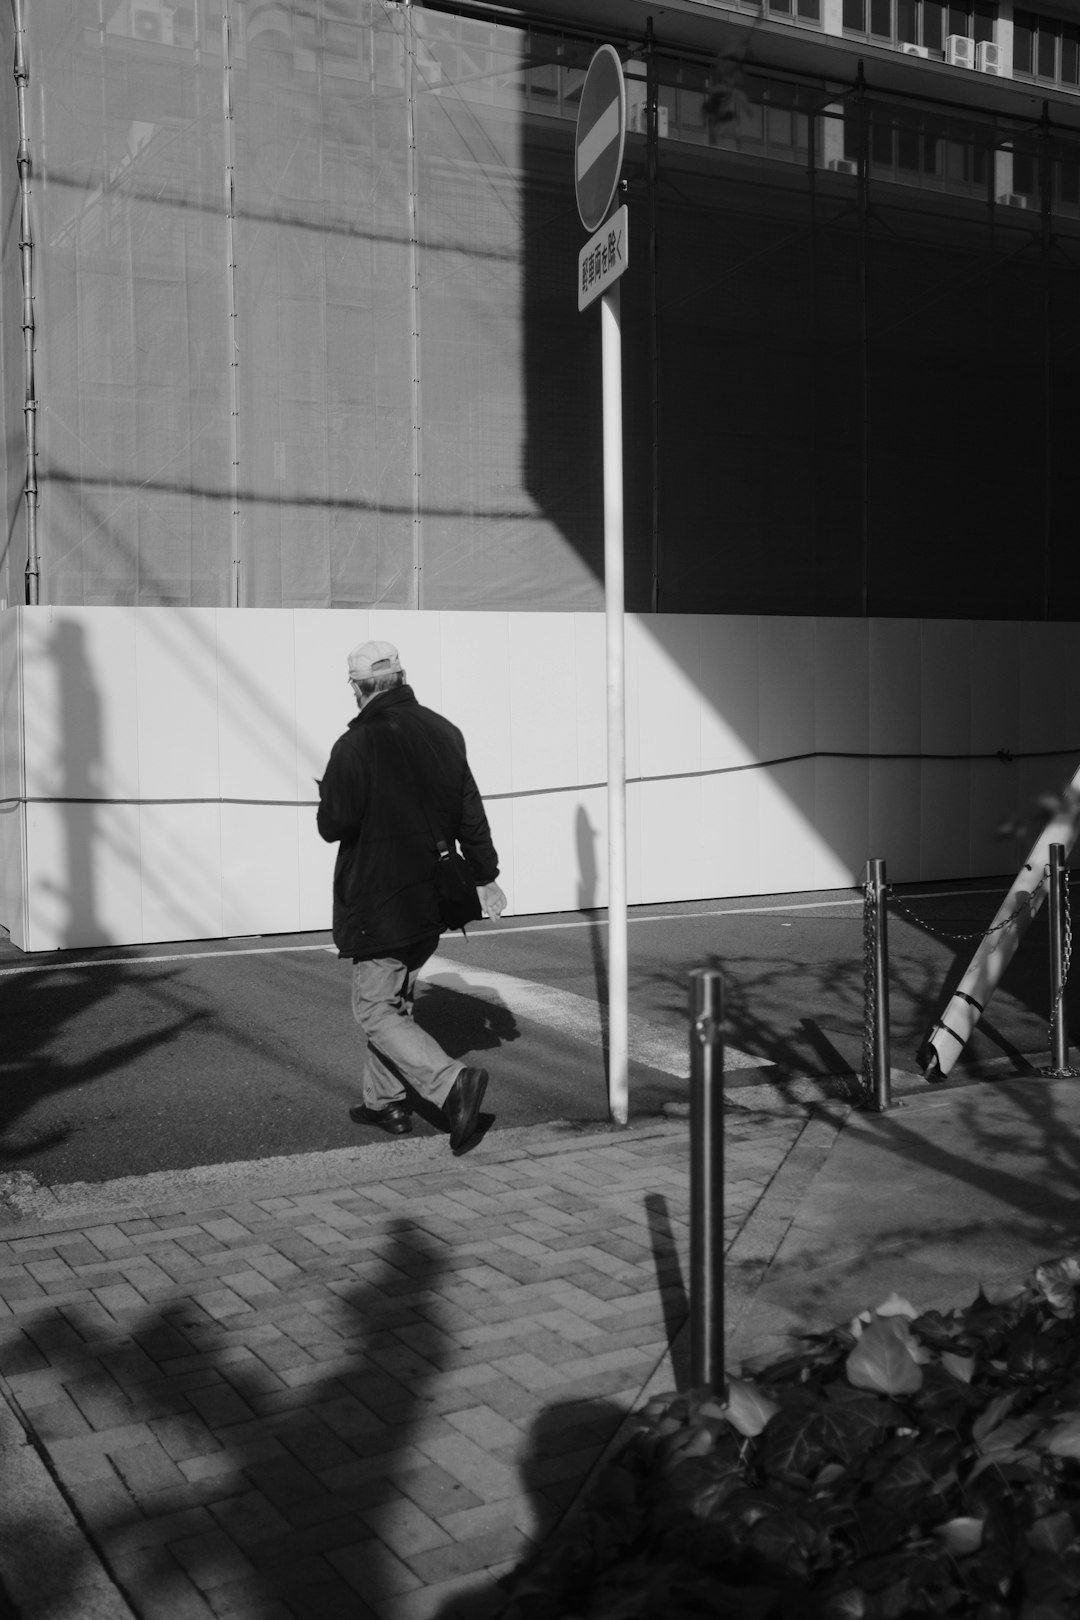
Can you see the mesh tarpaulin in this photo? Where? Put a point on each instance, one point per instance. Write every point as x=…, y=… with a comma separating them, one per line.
x=307, y=327
x=282, y=266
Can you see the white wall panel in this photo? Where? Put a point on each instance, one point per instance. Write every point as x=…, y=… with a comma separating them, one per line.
x=728, y=666
x=946, y=681
x=995, y=686
x=500, y=813
x=564, y=835
x=181, y=871
x=788, y=844
x=731, y=843
x=176, y=683
x=324, y=701
x=895, y=804
x=842, y=814
x=543, y=696
x=81, y=682
x=13, y=899
x=671, y=856
x=993, y=802
x=315, y=875
x=256, y=690
x=590, y=719
x=786, y=661
x=260, y=869
x=418, y=639
x=841, y=688
x=664, y=655
x=187, y=705
x=84, y=875
x=46, y=678
x=1048, y=689
x=895, y=680
x=476, y=692
x=943, y=817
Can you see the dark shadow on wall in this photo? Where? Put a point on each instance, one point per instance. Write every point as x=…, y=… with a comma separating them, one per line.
x=78, y=771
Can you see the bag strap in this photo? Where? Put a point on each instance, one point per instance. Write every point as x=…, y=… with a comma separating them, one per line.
x=442, y=848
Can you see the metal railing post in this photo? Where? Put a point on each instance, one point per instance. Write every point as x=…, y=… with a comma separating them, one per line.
x=1057, y=878
x=707, y=1181
x=882, y=1077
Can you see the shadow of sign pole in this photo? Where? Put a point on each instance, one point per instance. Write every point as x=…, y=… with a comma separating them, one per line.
x=707, y=1180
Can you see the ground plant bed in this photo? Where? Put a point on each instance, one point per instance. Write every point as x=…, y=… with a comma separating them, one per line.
x=906, y=1464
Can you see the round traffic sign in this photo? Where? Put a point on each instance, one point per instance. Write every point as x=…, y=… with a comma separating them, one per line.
x=600, y=136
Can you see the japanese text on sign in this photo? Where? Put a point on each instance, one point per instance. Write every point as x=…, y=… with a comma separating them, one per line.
x=603, y=258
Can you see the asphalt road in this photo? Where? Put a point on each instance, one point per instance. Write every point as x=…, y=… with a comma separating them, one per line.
x=118, y=1062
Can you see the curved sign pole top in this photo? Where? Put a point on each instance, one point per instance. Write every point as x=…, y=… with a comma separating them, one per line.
x=600, y=137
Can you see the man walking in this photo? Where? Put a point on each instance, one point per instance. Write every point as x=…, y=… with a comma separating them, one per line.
x=397, y=781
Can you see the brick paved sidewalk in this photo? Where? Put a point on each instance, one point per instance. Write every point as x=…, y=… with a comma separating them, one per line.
x=365, y=1399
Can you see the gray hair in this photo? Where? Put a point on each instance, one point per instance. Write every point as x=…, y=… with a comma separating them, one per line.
x=371, y=685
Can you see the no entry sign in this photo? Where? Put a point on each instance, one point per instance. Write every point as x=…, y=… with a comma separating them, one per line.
x=600, y=136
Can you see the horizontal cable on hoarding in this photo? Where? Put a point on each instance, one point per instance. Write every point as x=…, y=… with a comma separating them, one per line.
x=1004, y=755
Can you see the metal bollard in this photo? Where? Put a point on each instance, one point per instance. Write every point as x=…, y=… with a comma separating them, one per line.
x=878, y=950
x=707, y=1181
x=1057, y=879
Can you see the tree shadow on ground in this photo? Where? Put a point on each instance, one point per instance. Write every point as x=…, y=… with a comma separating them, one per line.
x=301, y=1433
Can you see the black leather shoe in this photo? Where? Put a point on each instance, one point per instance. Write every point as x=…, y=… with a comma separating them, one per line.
x=395, y=1117
x=462, y=1107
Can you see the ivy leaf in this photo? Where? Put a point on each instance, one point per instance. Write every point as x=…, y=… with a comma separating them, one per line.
x=792, y=1447
x=992, y=1415
x=961, y=1367
x=896, y=1306
x=747, y=1409
x=1063, y=1440
x=921, y=1473
x=776, y=1540
x=1052, y=1534
x=1033, y=1354
x=1007, y=1437
x=961, y=1535
x=882, y=1361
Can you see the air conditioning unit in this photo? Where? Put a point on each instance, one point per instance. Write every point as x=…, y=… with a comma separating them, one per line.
x=915, y=50
x=960, y=51
x=153, y=23
x=637, y=119
x=843, y=166
x=1015, y=199
x=989, y=58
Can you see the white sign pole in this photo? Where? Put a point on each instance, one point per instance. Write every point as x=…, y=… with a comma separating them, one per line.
x=618, y=976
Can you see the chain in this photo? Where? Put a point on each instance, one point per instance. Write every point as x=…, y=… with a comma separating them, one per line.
x=995, y=928
x=1066, y=956
x=869, y=989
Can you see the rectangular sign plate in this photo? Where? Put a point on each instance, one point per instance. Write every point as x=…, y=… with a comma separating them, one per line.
x=603, y=258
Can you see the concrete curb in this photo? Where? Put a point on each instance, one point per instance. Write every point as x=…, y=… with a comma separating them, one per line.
x=28, y=1206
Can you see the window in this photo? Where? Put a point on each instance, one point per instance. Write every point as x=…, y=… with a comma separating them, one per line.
x=919, y=22
x=1045, y=48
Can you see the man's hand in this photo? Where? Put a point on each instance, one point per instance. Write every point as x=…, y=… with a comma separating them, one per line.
x=492, y=899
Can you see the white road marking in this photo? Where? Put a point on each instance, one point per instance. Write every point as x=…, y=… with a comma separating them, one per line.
x=577, y=1016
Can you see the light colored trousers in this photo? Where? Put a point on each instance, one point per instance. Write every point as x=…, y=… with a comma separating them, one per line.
x=398, y=1049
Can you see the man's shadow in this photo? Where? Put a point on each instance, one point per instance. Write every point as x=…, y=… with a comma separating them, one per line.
x=462, y=1022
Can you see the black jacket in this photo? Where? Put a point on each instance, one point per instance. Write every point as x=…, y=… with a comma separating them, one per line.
x=397, y=780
